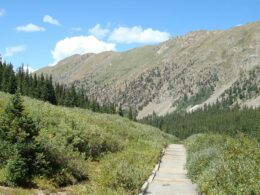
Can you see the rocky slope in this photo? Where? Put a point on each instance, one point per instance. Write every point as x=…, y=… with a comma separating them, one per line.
x=195, y=68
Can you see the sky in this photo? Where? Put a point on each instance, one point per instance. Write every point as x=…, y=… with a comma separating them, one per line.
x=39, y=33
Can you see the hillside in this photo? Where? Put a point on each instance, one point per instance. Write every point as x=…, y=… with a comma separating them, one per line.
x=95, y=150
x=200, y=65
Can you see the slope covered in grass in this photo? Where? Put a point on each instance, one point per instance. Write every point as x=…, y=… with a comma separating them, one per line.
x=100, y=153
x=220, y=164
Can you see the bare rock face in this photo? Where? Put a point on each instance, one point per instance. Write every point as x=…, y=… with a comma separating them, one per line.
x=192, y=70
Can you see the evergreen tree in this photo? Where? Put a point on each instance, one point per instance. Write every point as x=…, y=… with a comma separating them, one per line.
x=216, y=118
x=112, y=108
x=120, y=111
x=8, y=82
x=19, y=148
x=42, y=87
x=134, y=115
x=34, y=86
x=20, y=78
x=1, y=72
x=49, y=91
x=130, y=113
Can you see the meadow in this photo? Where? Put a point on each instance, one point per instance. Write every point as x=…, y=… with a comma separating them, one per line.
x=95, y=153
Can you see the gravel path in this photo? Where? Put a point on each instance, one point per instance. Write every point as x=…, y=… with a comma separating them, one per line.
x=171, y=177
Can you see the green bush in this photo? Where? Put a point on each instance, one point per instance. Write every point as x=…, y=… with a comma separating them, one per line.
x=128, y=169
x=91, y=152
x=198, y=161
x=227, y=166
x=17, y=171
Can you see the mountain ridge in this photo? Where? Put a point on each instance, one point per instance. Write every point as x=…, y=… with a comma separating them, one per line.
x=157, y=78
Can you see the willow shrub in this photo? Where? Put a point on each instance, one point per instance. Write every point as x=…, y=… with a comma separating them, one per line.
x=223, y=165
x=97, y=153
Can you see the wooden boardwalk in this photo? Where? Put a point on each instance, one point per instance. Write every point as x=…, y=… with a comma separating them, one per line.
x=171, y=178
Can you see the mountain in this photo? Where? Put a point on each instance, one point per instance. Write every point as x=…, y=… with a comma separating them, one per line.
x=182, y=73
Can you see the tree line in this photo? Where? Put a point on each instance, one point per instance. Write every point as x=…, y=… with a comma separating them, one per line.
x=42, y=87
x=216, y=118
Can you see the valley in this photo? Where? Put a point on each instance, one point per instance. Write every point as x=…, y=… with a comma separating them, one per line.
x=130, y=97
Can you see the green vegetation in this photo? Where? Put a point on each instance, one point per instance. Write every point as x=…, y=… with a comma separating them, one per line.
x=223, y=165
x=42, y=88
x=247, y=87
x=20, y=154
x=224, y=159
x=216, y=119
x=89, y=150
x=202, y=95
x=23, y=156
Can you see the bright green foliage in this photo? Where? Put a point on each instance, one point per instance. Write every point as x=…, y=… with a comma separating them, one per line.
x=223, y=165
x=95, y=150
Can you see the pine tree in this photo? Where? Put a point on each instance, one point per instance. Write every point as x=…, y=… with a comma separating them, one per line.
x=8, y=82
x=130, y=113
x=34, y=86
x=134, y=116
x=41, y=87
x=120, y=111
x=112, y=108
x=18, y=145
x=20, y=78
x=49, y=91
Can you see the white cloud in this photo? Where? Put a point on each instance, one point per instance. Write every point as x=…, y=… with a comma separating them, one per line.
x=79, y=45
x=10, y=51
x=98, y=31
x=137, y=34
x=30, y=28
x=2, y=12
x=50, y=20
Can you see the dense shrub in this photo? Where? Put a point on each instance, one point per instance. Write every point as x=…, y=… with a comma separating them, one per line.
x=127, y=169
x=89, y=150
x=224, y=165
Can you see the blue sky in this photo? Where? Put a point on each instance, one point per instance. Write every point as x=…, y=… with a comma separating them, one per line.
x=40, y=33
